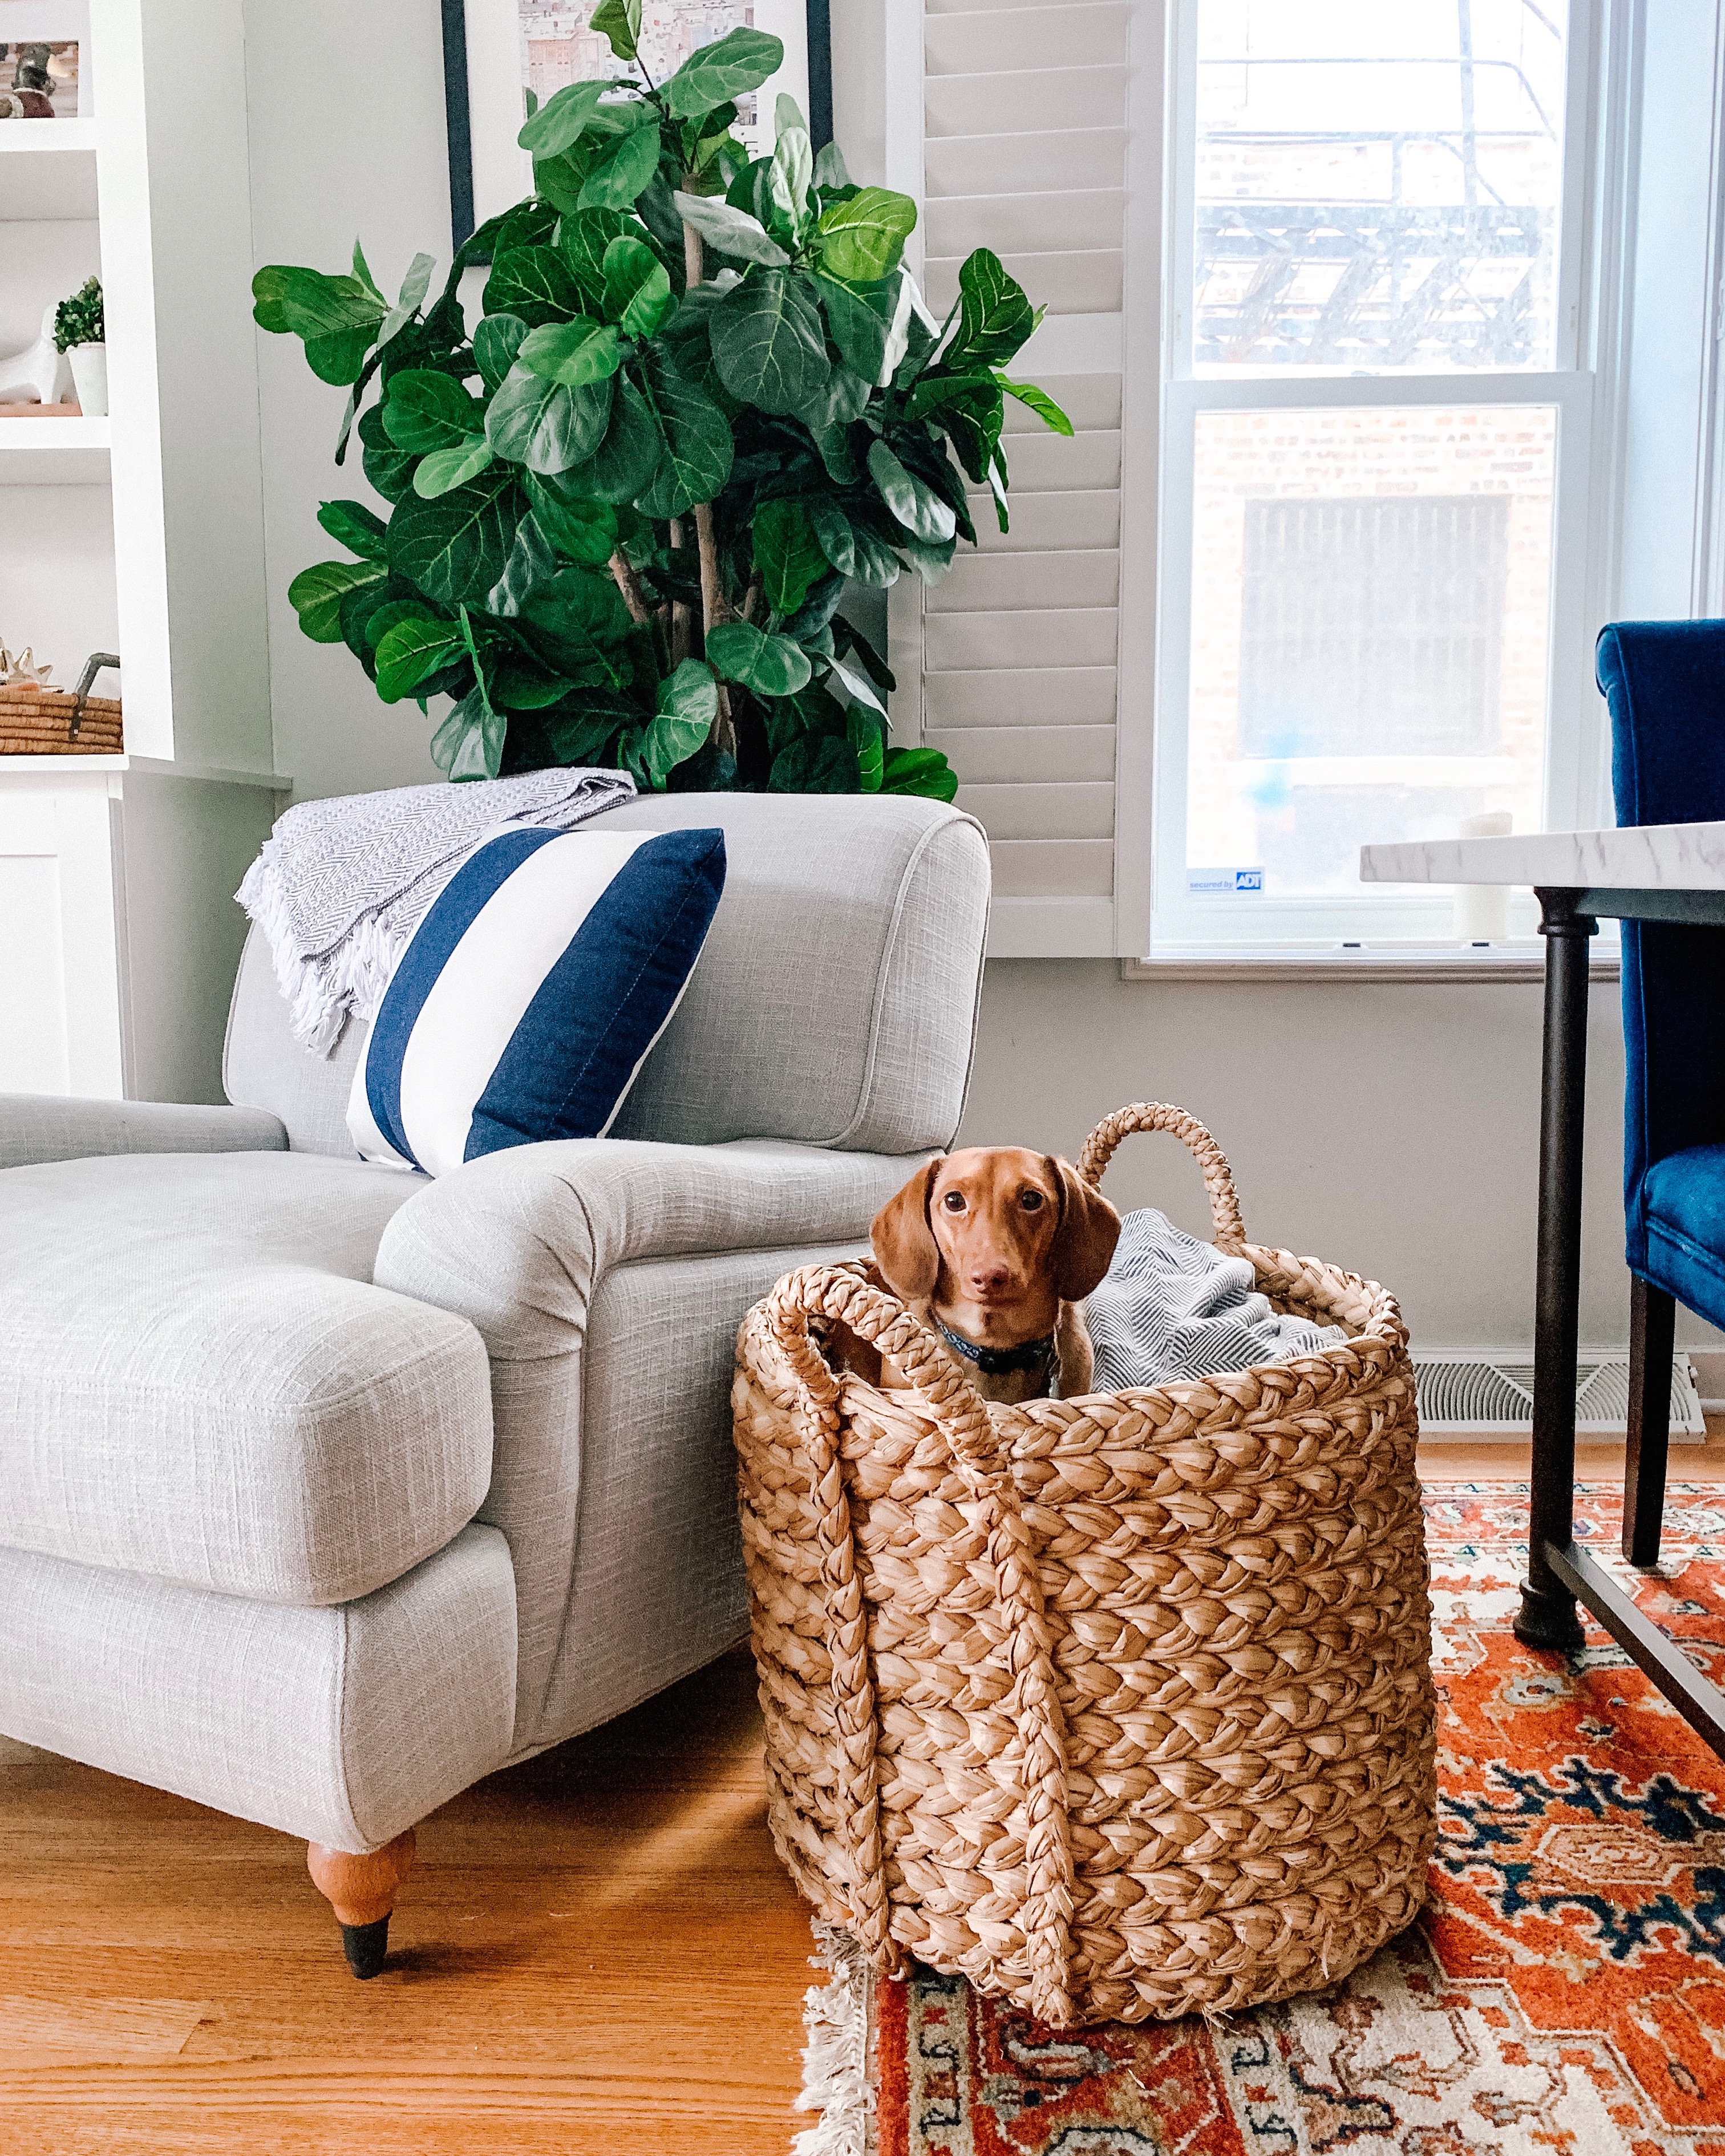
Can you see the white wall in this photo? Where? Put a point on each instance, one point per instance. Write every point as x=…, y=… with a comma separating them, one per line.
x=346, y=115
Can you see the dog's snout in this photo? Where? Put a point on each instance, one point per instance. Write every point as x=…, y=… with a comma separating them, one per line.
x=990, y=1279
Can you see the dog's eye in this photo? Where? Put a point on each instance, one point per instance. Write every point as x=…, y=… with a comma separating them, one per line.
x=954, y=1201
x=1031, y=1200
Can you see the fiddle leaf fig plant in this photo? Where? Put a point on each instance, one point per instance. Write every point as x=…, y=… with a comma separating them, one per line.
x=703, y=397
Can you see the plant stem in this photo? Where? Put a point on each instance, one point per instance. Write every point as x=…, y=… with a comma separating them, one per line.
x=932, y=353
x=629, y=584
x=714, y=607
x=752, y=599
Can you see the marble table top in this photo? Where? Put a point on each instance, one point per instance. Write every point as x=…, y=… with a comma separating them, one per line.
x=1644, y=857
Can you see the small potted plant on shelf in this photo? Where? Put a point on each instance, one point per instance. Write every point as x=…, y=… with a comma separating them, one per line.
x=705, y=397
x=78, y=333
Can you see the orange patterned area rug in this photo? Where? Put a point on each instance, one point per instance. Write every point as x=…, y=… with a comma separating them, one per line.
x=1564, y=1991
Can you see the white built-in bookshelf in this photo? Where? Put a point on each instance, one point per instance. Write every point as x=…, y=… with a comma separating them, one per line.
x=139, y=533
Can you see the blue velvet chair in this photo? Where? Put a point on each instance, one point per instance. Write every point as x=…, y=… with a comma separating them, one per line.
x=1665, y=683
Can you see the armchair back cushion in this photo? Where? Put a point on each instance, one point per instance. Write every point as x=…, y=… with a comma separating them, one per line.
x=834, y=1003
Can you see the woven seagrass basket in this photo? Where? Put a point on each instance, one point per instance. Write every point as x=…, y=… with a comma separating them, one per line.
x=1119, y=1707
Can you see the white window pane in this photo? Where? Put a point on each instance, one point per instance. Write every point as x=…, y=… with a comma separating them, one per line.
x=1378, y=186
x=1371, y=594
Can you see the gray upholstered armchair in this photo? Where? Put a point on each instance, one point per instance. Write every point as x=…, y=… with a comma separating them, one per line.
x=324, y=1489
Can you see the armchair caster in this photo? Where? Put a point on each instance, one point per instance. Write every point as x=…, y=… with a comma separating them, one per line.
x=362, y=1892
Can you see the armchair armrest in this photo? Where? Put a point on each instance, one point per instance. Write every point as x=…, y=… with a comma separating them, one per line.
x=44, y=1127
x=607, y=1279
x=517, y=1241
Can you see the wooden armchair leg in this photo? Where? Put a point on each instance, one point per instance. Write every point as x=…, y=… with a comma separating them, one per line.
x=361, y=1890
x=1653, y=1317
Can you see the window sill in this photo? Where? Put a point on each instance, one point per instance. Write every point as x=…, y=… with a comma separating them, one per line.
x=1510, y=964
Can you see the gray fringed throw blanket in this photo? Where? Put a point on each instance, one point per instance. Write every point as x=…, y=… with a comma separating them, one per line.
x=1171, y=1306
x=342, y=884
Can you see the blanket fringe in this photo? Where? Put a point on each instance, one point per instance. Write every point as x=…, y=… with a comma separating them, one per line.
x=835, y=2059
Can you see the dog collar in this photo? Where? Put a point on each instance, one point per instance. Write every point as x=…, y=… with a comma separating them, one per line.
x=997, y=1362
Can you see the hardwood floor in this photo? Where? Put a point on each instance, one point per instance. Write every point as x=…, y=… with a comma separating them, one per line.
x=597, y=1951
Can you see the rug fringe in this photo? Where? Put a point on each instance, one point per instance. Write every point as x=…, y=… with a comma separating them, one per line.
x=835, y=2059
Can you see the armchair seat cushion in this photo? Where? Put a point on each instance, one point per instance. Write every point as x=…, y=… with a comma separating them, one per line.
x=199, y=1382
x=1683, y=1216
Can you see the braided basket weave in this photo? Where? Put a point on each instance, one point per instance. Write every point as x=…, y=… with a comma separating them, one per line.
x=1118, y=1707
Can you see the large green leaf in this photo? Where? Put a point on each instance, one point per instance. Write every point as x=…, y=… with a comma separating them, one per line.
x=413, y=649
x=571, y=352
x=454, y=547
x=862, y=240
x=732, y=231
x=313, y=306
x=426, y=410
x=769, y=344
x=867, y=323
x=619, y=21
x=413, y=287
x=771, y=665
x=994, y=316
x=562, y=118
x=864, y=733
x=696, y=458
x=584, y=238
x=688, y=704
x=496, y=344
x=620, y=176
x=316, y=594
x=793, y=173
x=469, y=744
x=581, y=626
x=913, y=501
x=532, y=564
x=623, y=466
x=787, y=554
x=544, y=425
x=873, y=562
x=826, y=763
x=1038, y=401
x=637, y=290
x=829, y=172
x=970, y=408
x=337, y=359
x=532, y=282
x=351, y=524
x=388, y=468
x=920, y=771
x=584, y=532
x=520, y=683
x=740, y=61
x=444, y=469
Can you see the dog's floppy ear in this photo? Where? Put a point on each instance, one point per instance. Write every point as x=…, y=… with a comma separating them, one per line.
x=904, y=1242
x=1084, y=1242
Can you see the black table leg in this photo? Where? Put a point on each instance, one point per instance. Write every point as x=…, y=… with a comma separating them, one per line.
x=1547, y=1615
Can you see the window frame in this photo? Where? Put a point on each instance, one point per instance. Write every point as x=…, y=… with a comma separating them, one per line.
x=1155, y=914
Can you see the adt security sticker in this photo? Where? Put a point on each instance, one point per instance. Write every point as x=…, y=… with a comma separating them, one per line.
x=1224, y=883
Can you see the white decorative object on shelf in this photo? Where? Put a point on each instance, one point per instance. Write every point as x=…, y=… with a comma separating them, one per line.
x=21, y=672
x=35, y=373
x=90, y=379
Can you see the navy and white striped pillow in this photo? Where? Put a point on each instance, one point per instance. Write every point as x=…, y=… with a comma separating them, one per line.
x=529, y=995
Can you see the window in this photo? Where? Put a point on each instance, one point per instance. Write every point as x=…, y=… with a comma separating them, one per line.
x=1375, y=452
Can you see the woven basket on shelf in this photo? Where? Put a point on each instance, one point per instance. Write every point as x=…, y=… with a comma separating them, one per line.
x=1119, y=1707
x=50, y=722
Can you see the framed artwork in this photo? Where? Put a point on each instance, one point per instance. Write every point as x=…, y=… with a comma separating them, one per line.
x=495, y=51
x=42, y=52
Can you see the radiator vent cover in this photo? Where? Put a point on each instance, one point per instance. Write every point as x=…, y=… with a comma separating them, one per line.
x=1491, y=1395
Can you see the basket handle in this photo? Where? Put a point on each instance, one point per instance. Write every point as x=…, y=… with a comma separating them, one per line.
x=92, y=666
x=840, y=1293
x=1160, y=1116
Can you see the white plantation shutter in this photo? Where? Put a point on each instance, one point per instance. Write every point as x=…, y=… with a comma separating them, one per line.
x=1013, y=658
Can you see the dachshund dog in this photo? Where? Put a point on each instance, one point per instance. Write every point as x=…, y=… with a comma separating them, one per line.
x=994, y=1248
